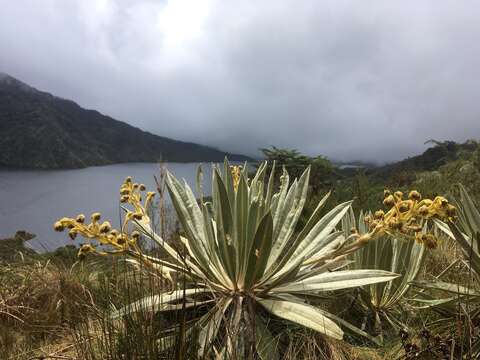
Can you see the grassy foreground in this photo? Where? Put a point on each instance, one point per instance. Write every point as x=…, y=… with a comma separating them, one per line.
x=58, y=306
x=53, y=307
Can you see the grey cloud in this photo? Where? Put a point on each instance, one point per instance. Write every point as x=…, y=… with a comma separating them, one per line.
x=345, y=79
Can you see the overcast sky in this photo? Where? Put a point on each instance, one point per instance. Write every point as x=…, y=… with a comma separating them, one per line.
x=367, y=80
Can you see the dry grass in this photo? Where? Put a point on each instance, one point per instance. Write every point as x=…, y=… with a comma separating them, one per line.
x=442, y=262
x=311, y=346
x=38, y=302
x=56, y=312
x=62, y=312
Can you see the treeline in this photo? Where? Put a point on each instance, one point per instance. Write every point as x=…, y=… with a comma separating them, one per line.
x=433, y=172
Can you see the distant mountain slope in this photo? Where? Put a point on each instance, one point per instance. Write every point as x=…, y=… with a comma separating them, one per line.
x=434, y=172
x=433, y=158
x=39, y=130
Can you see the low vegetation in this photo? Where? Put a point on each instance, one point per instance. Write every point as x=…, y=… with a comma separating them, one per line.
x=267, y=266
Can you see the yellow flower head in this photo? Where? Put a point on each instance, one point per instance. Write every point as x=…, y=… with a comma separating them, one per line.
x=58, y=226
x=404, y=206
x=105, y=227
x=398, y=195
x=121, y=240
x=96, y=217
x=414, y=195
x=423, y=210
x=451, y=211
x=429, y=240
x=80, y=218
x=150, y=194
x=73, y=234
x=85, y=249
x=379, y=214
x=389, y=200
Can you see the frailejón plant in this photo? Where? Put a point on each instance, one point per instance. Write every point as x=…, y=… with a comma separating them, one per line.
x=391, y=253
x=242, y=257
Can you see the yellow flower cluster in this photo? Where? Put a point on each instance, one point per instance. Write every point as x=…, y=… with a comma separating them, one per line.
x=236, y=173
x=102, y=232
x=132, y=193
x=408, y=216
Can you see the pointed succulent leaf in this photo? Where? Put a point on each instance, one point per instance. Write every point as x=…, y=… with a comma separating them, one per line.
x=469, y=214
x=209, y=329
x=467, y=246
x=289, y=216
x=447, y=287
x=156, y=303
x=224, y=224
x=190, y=217
x=240, y=223
x=303, y=314
x=228, y=181
x=337, y=280
x=271, y=182
x=322, y=229
x=302, y=247
x=260, y=251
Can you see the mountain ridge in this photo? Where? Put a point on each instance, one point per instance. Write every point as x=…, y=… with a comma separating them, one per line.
x=43, y=131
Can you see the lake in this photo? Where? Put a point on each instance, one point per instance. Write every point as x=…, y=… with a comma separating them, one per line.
x=34, y=200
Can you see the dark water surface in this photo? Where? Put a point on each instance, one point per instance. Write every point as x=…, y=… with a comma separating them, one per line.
x=34, y=200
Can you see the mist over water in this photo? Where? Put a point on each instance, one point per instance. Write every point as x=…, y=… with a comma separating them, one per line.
x=34, y=200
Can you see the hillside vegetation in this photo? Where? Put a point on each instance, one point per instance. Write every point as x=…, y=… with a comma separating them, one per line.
x=433, y=172
x=43, y=131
